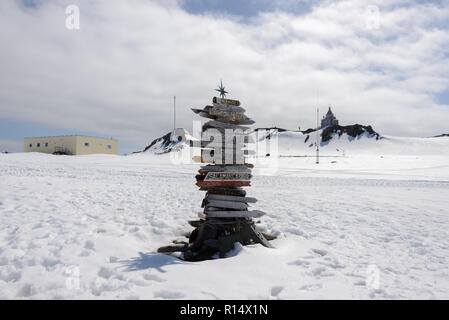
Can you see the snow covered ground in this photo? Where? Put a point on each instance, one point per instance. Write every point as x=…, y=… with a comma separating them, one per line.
x=371, y=226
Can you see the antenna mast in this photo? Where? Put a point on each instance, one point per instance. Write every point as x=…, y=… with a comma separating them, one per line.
x=174, y=113
x=317, y=135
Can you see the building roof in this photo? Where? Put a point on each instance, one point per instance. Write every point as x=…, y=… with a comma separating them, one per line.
x=70, y=135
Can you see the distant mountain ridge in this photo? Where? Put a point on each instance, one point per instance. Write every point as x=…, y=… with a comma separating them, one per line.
x=334, y=140
x=178, y=139
x=328, y=132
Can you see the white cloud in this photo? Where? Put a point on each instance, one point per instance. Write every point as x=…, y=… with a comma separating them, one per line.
x=117, y=75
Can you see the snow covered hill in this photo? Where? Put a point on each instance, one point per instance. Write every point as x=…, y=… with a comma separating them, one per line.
x=172, y=141
x=338, y=143
x=335, y=141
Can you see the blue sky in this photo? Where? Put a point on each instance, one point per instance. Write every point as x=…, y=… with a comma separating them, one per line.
x=246, y=9
x=117, y=75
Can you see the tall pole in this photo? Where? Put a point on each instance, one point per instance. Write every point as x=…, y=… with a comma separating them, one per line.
x=174, y=113
x=317, y=135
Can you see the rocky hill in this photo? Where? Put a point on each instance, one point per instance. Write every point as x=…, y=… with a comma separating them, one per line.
x=173, y=140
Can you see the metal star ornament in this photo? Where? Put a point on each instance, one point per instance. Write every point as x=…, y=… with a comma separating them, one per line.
x=222, y=90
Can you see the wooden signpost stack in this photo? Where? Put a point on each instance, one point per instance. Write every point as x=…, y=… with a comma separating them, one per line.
x=226, y=217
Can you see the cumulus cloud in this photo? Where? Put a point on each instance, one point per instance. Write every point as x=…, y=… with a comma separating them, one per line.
x=117, y=75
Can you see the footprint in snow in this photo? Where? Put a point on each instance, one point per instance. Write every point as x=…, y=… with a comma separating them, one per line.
x=375, y=292
x=89, y=245
x=4, y=261
x=37, y=226
x=311, y=287
x=320, y=252
x=49, y=263
x=276, y=290
x=27, y=290
x=105, y=273
x=318, y=271
x=153, y=277
x=11, y=276
x=165, y=294
x=299, y=262
x=84, y=253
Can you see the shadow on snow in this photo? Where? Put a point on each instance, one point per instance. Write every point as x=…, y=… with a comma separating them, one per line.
x=151, y=260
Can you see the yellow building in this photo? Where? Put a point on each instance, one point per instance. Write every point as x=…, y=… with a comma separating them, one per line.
x=73, y=145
